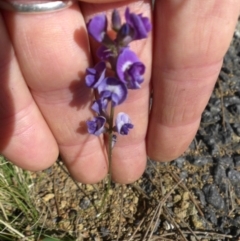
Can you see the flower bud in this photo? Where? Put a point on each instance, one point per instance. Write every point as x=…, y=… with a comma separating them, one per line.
x=125, y=35
x=116, y=20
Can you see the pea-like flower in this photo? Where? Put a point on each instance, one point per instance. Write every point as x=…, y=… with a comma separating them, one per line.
x=129, y=69
x=95, y=75
x=100, y=105
x=140, y=24
x=113, y=89
x=123, y=123
x=97, y=27
x=96, y=126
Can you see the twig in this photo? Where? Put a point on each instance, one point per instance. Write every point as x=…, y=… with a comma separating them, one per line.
x=192, y=232
x=134, y=185
x=42, y=226
x=121, y=208
x=138, y=227
x=77, y=185
x=204, y=233
x=175, y=224
x=55, y=195
x=159, y=209
x=231, y=210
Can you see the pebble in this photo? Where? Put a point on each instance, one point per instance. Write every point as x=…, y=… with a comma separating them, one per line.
x=48, y=197
x=199, y=161
x=234, y=176
x=219, y=173
x=84, y=203
x=213, y=197
x=199, y=193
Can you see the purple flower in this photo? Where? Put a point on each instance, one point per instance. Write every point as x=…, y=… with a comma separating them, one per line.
x=100, y=105
x=95, y=75
x=123, y=123
x=96, y=126
x=97, y=27
x=113, y=89
x=141, y=25
x=129, y=69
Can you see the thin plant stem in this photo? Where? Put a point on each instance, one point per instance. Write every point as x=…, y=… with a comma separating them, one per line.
x=110, y=147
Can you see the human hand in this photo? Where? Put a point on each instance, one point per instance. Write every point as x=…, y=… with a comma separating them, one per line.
x=45, y=103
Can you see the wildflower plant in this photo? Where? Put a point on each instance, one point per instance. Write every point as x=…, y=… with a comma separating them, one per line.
x=126, y=72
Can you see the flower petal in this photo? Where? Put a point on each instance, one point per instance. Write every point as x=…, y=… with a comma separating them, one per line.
x=125, y=59
x=123, y=123
x=141, y=25
x=100, y=105
x=96, y=126
x=113, y=89
x=97, y=27
x=95, y=75
x=129, y=69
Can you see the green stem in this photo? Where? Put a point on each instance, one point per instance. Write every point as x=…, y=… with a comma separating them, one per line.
x=110, y=146
x=110, y=137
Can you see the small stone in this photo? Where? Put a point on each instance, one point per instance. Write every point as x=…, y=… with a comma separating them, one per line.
x=135, y=200
x=224, y=186
x=219, y=173
x=185, y=196
x=213, y=197
x=236, y=128
x=104, y=231
x=84, y=203
x=199, y=161
x=180, y=161
x=180, y=213
x=234, y=176
x=205, y=177
x=192, y=238
x=89, y=187
x=95, y=196
x=197, y=222
x=237, y=161
x=48, y=197
x=226, y=162
x=63, y=204
x=72, y=214
x=183, y=175
x=177, y=198
x=200, y=196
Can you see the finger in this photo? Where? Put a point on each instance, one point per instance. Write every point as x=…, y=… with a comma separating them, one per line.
x=52, y=50
x=25, y=138
x=129, y=153
x=191, y=40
